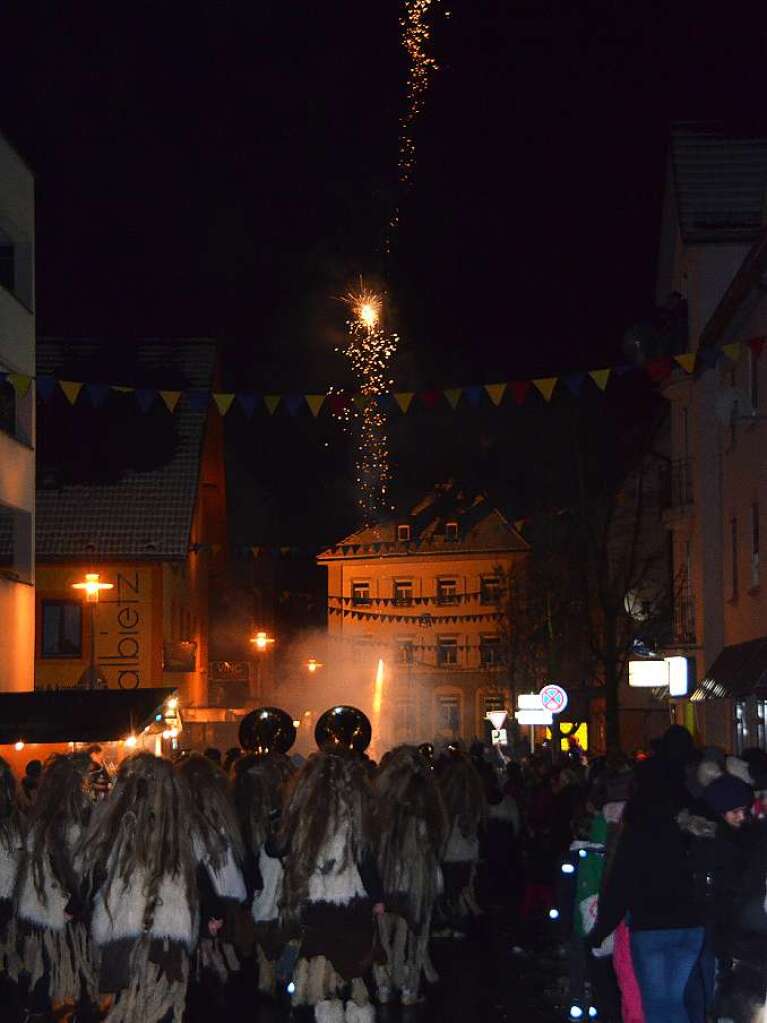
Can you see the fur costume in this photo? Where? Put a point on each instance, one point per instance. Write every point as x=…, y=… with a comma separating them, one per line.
x=11, y=847
x=331, y=884
x=52, y=936
x=464, y=797
x=412, y=827
x=139, y=860
x=259, y=787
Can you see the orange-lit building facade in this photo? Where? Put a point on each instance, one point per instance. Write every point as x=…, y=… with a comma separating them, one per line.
x=425, y=594
x=157, y=536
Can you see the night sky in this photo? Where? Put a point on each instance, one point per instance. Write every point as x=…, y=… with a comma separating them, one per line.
x=225, y=170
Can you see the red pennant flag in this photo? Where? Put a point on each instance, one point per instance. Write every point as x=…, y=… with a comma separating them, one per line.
x=756, y=344
x=431, y=399
x=519, y=389
x=659, y=369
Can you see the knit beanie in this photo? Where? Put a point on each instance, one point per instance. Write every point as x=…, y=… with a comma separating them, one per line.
x=728, y=793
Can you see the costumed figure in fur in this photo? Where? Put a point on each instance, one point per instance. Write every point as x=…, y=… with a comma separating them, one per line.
x=412, y=829
x=141, y=874
x=464, y=797
x=332, y=884
x=52, y=934
x=261, y=778
x=11, y=844
x=219, y=853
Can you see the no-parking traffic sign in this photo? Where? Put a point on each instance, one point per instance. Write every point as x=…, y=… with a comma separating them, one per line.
x=553, y=698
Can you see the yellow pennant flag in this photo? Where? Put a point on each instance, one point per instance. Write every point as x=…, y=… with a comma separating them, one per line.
x=123, y=390
x=171, y=399
x=546, y=386
x=71, y=389
x=519, y=524
x=20, y=384
x=495, y=392
x=216, y=548
x=686, y=361
x=600, y=377
x=733, y=350
x=255, y=551
x=403, y=399
x=315, y=403
x=453, y=395
x=271, y=401
x=223, y=402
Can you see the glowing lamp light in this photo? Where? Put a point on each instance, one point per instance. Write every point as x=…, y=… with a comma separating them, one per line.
x=576, y=1012
x=19, y=746
x=568, y=868
x=261, y=641
x=131, y=741
x=172, y=703
x=291, y=988
x=593, y=1012
x=583, y=853
x=312, y=665
x=553, y=914
x=92, y=587
x=296, y=724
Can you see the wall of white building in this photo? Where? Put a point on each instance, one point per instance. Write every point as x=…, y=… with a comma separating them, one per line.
x=17, y=422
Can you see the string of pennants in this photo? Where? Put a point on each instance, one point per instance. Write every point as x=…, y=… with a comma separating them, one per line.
x=422, y=620
x=457, y=598
x=519, y=391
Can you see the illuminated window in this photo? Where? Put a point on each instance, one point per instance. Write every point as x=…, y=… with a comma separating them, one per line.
x=490, y=589
x=447, y=591
x=62, y=628
x=491, y=702
x=405, y=650
x=447, y=651
x=15, y=545
x=448, y=713
x=403, y=533
x=361, y=592
x=490, y=651
x=451, y=531
x=404, y=719
x=403, y=592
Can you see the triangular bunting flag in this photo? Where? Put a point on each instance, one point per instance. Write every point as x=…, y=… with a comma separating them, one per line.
x=216, y=548
x=709, y=356
x=123, y=390
x=600, y=377
x=519, y=389
x=473, y=394
x=574, y=383
x=271, y=401
x=733, y=350
x=495, y=392
x=145, y=398
x=71, y=389
x=658, y=369
x=403, y=399
x=431, y=399
x=293, y=403
x=198, y=400
x=546, y=386
x=453, y=395
x=46, y=385
x=315, y=402
x=97, y=393
x=255, y=551
x=20, y=384
x=756, y=344
x=223, y=402
x=171, y=399
x=247, y=403
x=519, y=524
x=686, y=360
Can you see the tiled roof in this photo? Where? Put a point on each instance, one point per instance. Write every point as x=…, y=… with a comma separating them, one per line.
x=144, y=515
x=720, y=179
x=481, y=528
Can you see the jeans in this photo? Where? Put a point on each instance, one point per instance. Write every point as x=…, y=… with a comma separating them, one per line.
x=699, y=996
x=663, y=962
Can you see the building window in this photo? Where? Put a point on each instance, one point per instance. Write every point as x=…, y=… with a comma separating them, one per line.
x=448, y=713
x=361, y=593
x=403, y=533
x=755, y=544
x=447, y=591
x=447, y=650
x=451, y=531
x=15, y=544
x=753, y=379
x=62, y=628
x=403, y=592
x=490, y=653
x=490, y=589
x=7, y=407
x=405, y=650
x=404, y=719
x=491, y=702
x=733, y=558
x=7, y=262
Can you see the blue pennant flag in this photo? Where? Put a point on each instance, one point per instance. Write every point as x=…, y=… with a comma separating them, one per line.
x=145, y=397
x=709, y=356
x=293, y=403
x=198, y=400
x=46, y=385
x=97, y=393
x=473, y=394
x=247, y=403
x=575, y=383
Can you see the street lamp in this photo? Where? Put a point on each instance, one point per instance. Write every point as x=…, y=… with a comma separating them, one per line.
x=312, y=665
x=261, y=641
x=91, y=587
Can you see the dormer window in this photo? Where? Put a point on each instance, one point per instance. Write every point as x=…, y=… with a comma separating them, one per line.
x=403, y=533
x=451, y=531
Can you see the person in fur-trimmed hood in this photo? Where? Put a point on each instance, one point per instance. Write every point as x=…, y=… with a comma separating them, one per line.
x=332, y=885
x=464, y=797
x=140, y=867
x=52, y=935
x=219, y=853
x=11, y=844
x=259, y=787
x=412, y=830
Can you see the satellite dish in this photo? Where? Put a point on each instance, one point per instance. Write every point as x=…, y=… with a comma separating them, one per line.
x=733, y=403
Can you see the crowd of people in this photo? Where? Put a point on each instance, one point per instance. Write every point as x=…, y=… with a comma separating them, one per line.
x=146, y=894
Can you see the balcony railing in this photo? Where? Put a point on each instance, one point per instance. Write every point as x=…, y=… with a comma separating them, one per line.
x=684, y=618
x=677, y=484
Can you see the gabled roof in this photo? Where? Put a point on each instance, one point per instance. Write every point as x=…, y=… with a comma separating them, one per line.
x=481, y=529
x=720, y=179
x=143, y=515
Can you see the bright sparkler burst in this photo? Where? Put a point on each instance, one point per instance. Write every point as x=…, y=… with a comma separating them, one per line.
x=415, y=39
x=369, y=349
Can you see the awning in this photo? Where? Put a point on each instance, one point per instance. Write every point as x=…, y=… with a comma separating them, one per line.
x=739, y=671
x=78, y=715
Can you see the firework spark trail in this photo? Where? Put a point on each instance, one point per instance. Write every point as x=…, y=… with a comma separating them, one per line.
x=369, y=349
